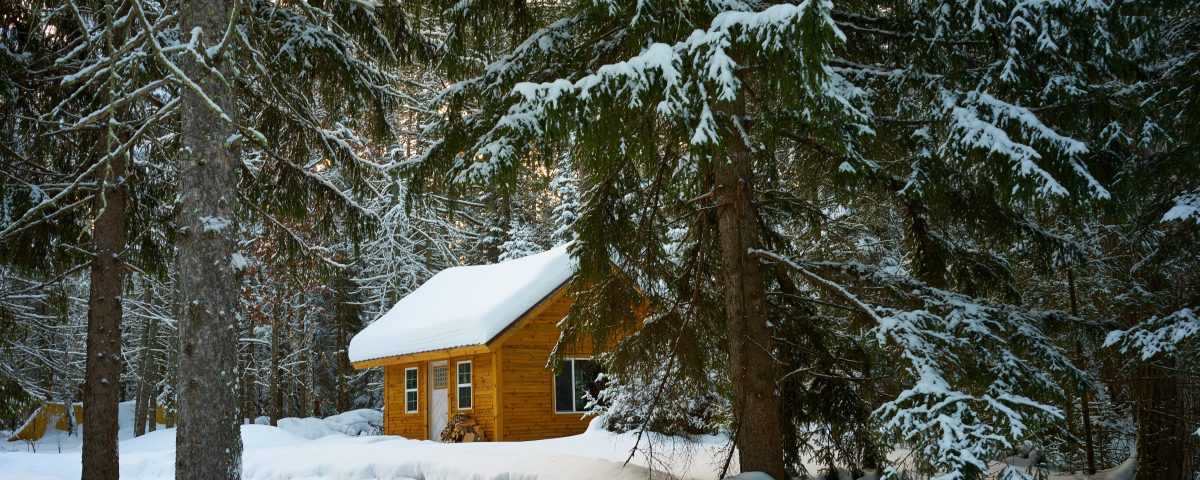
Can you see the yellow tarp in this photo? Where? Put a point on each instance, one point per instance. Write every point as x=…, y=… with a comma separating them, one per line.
x=55, y=413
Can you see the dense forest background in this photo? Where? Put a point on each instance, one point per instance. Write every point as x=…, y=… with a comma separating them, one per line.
x=971, y=229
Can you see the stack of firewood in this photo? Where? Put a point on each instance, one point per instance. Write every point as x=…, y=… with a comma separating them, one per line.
x=462, y=428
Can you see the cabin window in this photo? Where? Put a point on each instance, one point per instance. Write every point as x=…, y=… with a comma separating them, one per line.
x=576, y=380
x=439, y=376
x=464, y=385
x=410, y=390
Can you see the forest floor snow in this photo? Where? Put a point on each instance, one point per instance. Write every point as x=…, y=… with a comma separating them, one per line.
x=313, y=448
x=332, y=448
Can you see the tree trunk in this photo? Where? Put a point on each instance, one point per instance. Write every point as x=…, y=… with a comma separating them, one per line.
x=152, y=409
x=144, y=408
x=102, y=380
x=1165, y=443
x=143, y=388
x=1083, y=393
x=209, y=444
x=759, y=436
x=249, y=395
x=303, y=397
x=276, y=390
x=341, y=360
x=153, y=376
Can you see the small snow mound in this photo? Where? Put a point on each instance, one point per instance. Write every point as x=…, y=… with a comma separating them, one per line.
x=353, y=423
x=357, y=422
x=261, y=436
x=158, y=440
x=309, y=428
x=751, y=476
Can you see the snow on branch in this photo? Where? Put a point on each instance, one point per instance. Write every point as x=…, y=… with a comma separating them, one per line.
x=976, y=365
x=1164, y=335
x=678, y=77
x=1187, y=207
x=978, y=121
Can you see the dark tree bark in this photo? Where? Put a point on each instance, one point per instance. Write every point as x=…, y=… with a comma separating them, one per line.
x=152, y=408
x=1083, y=393
x=346, y=314
x=102, y=380
x=759, y=437
x=1162, y=408
x=209, y=444
x=249, y=391
x=141, y=408
x=276, y=389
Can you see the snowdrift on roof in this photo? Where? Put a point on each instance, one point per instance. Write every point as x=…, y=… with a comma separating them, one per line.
x=463, y=306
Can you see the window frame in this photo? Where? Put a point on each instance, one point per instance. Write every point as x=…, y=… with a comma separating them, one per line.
x=416, y=390
x=554, y=390
x=470, y=385
x=445, y=369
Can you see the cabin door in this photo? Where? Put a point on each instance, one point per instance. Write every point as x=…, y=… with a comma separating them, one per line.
x=439, y=400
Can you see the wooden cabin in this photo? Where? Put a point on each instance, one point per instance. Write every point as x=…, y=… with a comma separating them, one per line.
x=476, y=340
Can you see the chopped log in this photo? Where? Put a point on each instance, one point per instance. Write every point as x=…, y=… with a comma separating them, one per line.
x=460, y=427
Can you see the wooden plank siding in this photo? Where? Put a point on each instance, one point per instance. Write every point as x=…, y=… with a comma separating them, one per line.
x=527, y=387
x=483, y=387
x=416, y=425
x=395, y=421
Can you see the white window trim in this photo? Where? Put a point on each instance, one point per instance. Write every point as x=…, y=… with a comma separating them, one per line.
x=416, y=390
x=457, y=381
x=554, y=400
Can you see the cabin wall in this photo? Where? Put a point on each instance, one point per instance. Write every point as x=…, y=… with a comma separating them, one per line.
x=416, y=425
x=527, y=387
x=484, y=387
x=395, y=421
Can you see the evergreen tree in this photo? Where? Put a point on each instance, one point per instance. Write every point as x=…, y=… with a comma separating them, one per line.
x=754, y=128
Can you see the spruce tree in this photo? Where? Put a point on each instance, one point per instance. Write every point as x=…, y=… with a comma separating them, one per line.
x=715, y=137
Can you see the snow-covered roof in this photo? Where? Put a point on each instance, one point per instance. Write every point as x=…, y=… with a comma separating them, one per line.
x=463, y=306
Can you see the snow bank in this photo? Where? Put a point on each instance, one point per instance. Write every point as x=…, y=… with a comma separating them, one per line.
x=357, y=422
x=353, y=423
x=272, y=453
x=312, y=448
x=463, y=306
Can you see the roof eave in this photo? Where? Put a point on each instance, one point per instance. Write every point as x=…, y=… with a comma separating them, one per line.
x=422, y=356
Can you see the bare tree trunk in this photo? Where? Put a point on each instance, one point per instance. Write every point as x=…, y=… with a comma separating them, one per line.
x=1083, y=392
x=143, y=389
x=143, y=408
x=303, y=397
x=276, y=393
x=152, y=409
x=209, y=444
x=341, y=360
x=102, y=380
x=249, y=395
x=1162, y=407
x=759, y=436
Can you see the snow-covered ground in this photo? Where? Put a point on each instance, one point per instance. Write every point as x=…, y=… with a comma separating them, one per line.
x=317, y=448
x=332, y=448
